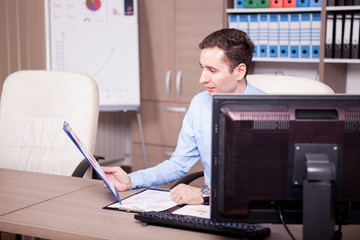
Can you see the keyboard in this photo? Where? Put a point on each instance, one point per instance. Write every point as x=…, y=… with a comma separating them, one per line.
x=242, y=230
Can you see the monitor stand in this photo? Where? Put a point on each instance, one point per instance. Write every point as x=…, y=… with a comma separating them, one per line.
x=318, y=197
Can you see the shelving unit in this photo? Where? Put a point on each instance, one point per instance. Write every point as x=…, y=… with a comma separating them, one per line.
x=334, y=72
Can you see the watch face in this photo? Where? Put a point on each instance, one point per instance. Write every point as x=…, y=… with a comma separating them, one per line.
x=205, y=191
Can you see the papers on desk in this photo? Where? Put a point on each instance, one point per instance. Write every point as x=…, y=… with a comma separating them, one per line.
x=150, y=199
x=194, y=210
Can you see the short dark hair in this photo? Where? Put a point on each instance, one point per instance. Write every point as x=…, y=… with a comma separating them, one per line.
x=237, y=46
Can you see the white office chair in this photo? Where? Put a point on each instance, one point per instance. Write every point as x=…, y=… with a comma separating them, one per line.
x=278, y=84
x=33, y=107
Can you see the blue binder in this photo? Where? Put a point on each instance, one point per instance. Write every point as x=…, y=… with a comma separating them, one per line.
x=233, y=21
x=273, y=35
x=305, y=35
x=284, y=35
x=254, y=32
x=315, y=34
x=239, y=4
x=294, y=35
x=315, y=3
x=302, y=3
x=263, y=35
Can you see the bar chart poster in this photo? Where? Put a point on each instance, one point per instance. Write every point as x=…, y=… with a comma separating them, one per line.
x=98, y=38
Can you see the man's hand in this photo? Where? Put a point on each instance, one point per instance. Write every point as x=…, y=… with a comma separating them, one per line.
x=185, y=194
x=118, y=177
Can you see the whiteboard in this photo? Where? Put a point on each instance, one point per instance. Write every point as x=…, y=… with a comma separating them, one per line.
x=98, y=38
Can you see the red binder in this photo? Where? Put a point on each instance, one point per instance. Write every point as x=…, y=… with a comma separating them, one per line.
x=289, y=3
x=276, y=3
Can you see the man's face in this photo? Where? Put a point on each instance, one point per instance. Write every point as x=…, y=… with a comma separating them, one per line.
x=215, y=72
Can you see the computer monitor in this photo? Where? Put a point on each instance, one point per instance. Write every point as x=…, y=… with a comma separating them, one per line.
x=293, y=157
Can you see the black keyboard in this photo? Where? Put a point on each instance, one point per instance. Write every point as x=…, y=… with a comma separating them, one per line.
x=242, y=230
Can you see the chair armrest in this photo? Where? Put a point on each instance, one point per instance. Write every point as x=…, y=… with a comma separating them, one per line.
x=83, y=167
x=188, y=178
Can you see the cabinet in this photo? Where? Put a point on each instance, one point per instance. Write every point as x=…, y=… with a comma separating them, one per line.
x=334, y=72
x=169, y=34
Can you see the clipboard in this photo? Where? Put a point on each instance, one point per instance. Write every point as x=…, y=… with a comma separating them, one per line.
x=149, y=199
x=91, y=159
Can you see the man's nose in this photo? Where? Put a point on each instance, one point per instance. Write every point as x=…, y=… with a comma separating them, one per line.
x=203, y=78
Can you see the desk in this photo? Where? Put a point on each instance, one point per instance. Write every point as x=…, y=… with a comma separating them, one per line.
x=61, y=207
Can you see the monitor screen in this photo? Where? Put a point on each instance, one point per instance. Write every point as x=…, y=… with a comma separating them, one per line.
x=270, y=153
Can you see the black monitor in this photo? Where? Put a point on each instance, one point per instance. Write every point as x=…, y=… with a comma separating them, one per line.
x=293, y=157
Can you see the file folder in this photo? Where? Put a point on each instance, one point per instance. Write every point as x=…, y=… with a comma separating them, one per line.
x=273, y=35
x=284, y=35
x=233, y=21
x=329, y=44
x=315, y=34
x=289, y=3
x=346, y=37
x=349, y=2
x=243, y=23
x=315, y=3
x=356, y=2
x=338, y=35
x=239, y=3
x=302, y=3
x=276, y=3
x=340, y=2
x=305, y=35
x=331, y=3
x=262, y=4
x=355, y=36
x=254, y=32
x=294, y=35
x=250, y=3
x=263, y=35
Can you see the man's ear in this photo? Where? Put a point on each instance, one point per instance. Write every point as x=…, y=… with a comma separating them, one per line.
x=240, y=71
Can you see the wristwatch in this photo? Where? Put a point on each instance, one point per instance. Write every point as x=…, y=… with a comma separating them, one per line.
x=205, y=193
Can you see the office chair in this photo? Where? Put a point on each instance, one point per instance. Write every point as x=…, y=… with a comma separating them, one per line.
x=274, y=84
x=33, y=107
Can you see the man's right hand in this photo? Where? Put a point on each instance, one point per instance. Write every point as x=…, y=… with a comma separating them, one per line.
x=118, y=177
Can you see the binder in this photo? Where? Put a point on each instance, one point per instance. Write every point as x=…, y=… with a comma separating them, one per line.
x=302, y=3
x=315, y=3
x=273, y=35
x=250, y=3
x=338, y=35
x=276, y=3
x=315, y=34
x=329, y=44
x=349, y=2
x=305, y=35
x=263, y=35
x=262, y=4
x=346, y=37
x=284, y=35
x=239, y=3
x=289, y=3
x=355, y=36
x=340, y=2
x=331, y=3
x=233, y=21
x=243, y=23
x=254, y=32
x=294, y=35
x=356, y=2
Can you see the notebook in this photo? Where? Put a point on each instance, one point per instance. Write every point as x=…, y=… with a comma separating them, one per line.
x=90, y=158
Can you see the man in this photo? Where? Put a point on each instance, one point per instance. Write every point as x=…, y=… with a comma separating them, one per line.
x=225, y=59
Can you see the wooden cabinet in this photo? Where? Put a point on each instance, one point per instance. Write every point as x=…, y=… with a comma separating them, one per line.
x=169, y=34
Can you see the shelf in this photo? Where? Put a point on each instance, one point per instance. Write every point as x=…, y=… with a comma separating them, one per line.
x=340, y=60
x=272, y=10
x=342, y=8
x=288, y=60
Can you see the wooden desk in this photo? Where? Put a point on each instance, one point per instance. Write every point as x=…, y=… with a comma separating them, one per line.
x=71, y=208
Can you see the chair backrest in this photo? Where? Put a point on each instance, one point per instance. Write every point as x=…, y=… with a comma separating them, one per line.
x=33, y=107
x=278, y=84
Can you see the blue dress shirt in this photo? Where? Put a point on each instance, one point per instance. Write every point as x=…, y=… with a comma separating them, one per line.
x=194, y=143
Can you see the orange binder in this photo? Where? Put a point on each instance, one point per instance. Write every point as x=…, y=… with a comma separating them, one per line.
x=289, y=3
x=276, y=3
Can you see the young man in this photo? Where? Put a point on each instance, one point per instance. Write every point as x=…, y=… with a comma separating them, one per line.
x=225, y=58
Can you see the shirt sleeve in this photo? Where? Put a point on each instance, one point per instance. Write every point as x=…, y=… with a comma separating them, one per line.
x=185, y=156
